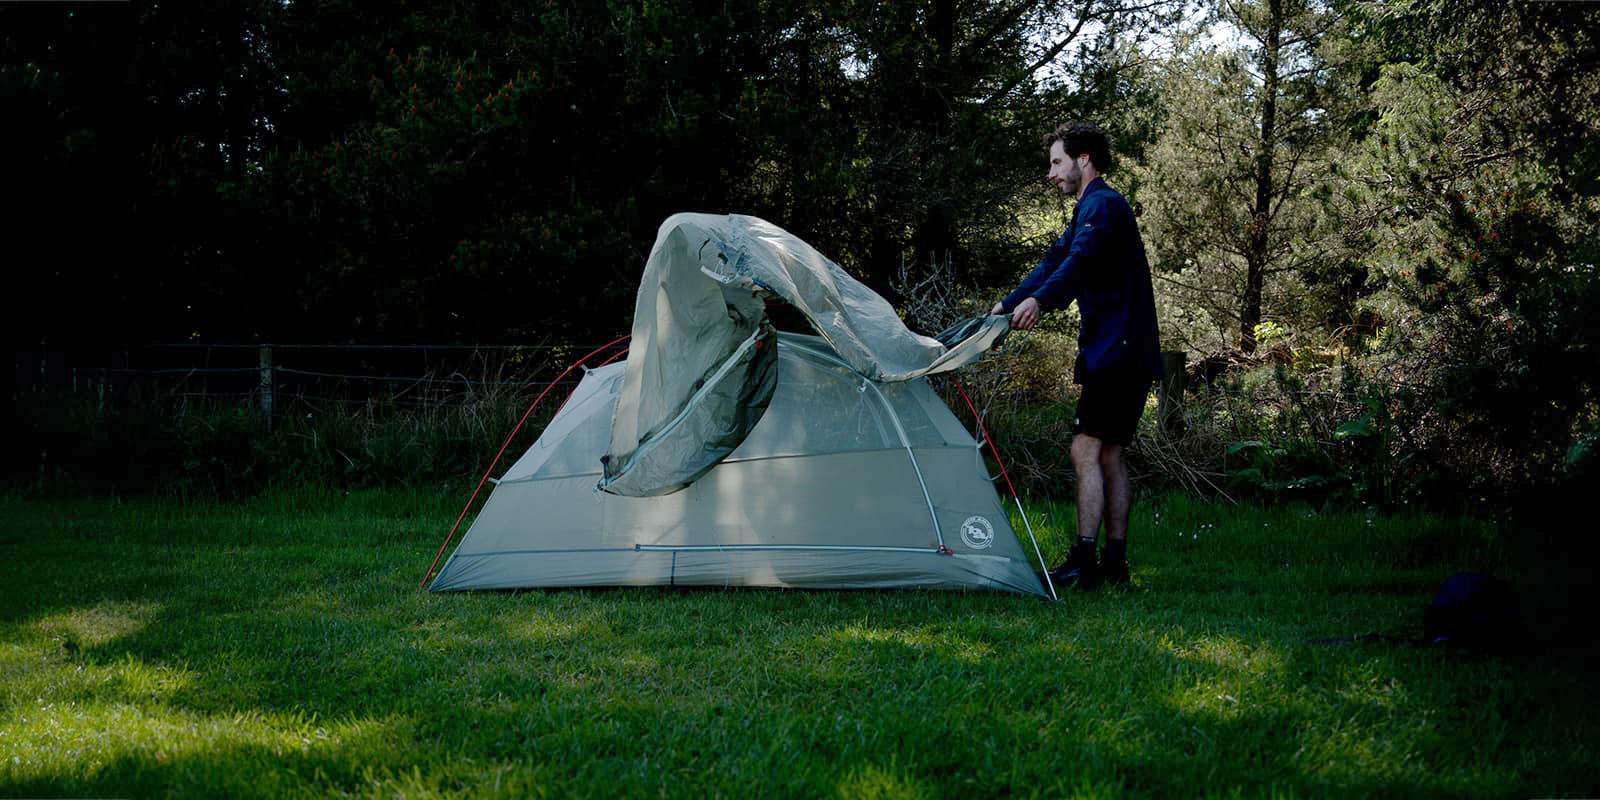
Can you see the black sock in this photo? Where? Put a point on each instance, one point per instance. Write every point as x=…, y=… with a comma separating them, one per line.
x=1084, y=547
x=1116, y=549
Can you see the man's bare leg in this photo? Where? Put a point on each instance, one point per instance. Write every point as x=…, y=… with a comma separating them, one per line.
x=1119, y=495
x=1080, y=567
x=1113, y=566
x=1087, y=462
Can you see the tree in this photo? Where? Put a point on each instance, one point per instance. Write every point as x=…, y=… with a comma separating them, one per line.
x=422, y=170
x=65, y=85
x=333, y=169
x=477, y=175
x=946, y=103
x=207, y=97
x=1233, y=219
x=1476, y=195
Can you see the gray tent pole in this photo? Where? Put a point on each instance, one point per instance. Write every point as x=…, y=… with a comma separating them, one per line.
x=1043, y=567
x=983, y=438
x=900, y=431
x=906, y=443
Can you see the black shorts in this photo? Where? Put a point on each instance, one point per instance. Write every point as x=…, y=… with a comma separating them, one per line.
x=1110, y=406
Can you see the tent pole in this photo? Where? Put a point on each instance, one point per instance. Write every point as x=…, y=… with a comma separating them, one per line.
x=496, y=461
x=905, y=442
x=900, y=431
x=1044, y=568
x=978, y=418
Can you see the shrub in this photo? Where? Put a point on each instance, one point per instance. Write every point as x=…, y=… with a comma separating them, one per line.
x=143, y=441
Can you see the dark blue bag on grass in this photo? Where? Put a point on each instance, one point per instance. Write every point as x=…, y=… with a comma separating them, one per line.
x=1475, y=612
x=1470, y=612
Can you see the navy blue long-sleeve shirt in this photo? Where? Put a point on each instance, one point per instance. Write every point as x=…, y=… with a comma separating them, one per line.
x=1100, y=263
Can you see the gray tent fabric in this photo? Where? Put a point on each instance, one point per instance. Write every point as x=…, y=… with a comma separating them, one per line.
x=843, y=482
x=700, y=370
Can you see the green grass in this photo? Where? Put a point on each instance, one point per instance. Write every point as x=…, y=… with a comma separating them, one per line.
x=279, y=648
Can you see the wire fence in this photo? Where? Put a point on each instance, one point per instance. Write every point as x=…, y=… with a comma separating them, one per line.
x=275, y=377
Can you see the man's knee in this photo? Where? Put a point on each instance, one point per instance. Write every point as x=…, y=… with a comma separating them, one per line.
x=1086, y=451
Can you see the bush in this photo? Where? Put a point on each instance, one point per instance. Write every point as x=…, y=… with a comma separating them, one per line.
x=1284, y=427
x=141, y=441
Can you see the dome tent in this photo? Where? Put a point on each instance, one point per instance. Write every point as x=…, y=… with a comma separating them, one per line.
x=768, y=459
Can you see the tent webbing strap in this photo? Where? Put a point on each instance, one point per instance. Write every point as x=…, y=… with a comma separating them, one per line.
x=675, y=548
x=538, y=477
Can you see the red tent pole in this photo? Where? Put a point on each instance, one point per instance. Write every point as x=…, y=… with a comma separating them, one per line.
x=985, y=432
x=496, y=461
x=1045, y=568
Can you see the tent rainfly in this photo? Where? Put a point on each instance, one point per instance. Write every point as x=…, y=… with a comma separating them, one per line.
x=723, y=453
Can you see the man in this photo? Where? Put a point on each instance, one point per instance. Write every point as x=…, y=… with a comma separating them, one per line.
x=1100, y=263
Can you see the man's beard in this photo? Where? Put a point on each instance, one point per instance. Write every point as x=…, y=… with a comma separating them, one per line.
x=1071, y=182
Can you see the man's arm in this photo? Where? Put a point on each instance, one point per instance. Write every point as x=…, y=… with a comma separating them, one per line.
x=1051, y=284
x=1036, y=277
x=1088, y=242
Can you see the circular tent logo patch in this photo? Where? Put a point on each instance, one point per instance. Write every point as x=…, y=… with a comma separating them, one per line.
x=978, y=533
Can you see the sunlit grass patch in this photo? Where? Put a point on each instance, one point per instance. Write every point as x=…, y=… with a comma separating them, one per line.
x=881, y=782
x=72, y=721
x=97, y=625
x=84, y=745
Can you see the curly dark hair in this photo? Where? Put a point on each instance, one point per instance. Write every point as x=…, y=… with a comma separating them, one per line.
x=1077, y=138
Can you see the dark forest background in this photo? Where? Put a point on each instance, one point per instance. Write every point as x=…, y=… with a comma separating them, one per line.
x=495, y=171
x=1392, y=204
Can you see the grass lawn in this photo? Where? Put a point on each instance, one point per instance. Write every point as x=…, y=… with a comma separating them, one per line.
x=279, y=648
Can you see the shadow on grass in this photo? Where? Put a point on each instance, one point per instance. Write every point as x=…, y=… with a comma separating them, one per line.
x=203, y=654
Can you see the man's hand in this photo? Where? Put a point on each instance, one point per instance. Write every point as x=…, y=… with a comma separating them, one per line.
x=1026, y=314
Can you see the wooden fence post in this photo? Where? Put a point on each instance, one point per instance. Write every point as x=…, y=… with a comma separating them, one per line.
x=266, y=384
x=1169, y=408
